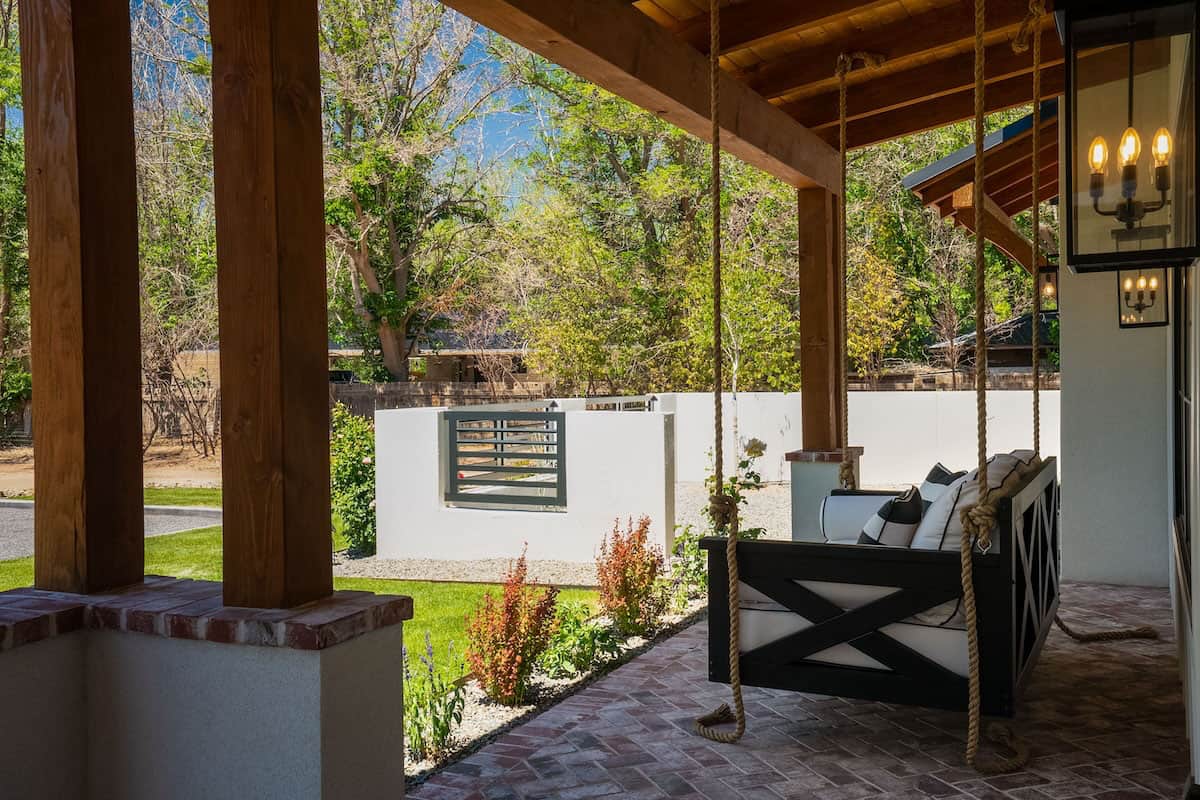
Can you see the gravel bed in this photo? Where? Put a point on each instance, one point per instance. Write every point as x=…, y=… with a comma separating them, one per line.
x=769, y=507
x=488, y=570
x=483, y=720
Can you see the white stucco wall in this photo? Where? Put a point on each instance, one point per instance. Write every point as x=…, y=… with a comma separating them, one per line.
x=904, y=433
x=43, y=722
x=618, y=465
x=1115, y=463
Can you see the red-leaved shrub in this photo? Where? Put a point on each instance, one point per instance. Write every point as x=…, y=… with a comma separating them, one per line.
x=628, y=570
x=506, y=635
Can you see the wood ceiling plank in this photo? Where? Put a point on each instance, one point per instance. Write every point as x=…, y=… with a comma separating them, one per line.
x=936, y=79
x=896, y=42
x=612, y=44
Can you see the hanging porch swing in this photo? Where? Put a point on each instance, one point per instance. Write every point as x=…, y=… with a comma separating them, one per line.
x=954, y=614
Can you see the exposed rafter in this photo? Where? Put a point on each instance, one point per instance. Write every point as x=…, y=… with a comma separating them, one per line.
x=746, y=24
x=945, y=110
x=904, y=40
x=926, y=82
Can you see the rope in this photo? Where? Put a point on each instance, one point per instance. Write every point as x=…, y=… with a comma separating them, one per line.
x=1036, y=9
x=978, y=519
x=1118, y=635
x=722, y=507
x=845, y=63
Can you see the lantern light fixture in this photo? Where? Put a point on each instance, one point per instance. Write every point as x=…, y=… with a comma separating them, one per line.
x=1131, y=69
x=1142, y=298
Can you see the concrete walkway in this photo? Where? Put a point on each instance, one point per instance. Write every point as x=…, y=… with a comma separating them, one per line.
x=1104, y=721
x=16, y=524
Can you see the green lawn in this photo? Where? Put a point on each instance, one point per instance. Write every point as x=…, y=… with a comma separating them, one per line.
x=169, y=496
x=440, y=608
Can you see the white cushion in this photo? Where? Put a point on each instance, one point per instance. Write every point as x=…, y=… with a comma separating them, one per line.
x=941, y=527
x=844, y=515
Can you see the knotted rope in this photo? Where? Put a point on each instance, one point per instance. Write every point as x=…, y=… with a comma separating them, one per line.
x=979, y=519
x=722, y=507
x=845, y=63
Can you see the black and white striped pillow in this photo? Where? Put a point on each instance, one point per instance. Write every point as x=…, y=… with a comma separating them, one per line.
x=936, y=483
x=895, y=522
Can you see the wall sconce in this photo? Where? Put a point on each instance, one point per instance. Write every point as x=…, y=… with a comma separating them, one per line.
x=1047, y=279
x=1142, y=298
x=1131, y=70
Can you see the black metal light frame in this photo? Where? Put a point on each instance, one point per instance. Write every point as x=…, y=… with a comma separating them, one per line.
x=1164, y=298
x=1047, y=274
x=1067, y=13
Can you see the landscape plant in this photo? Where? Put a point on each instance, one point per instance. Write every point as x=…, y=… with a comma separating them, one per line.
x=579, y=642
x=746, y=478
x=689, y=565
x=352, y=478
x=628, y=571
x=433, y=704
x=506, y=635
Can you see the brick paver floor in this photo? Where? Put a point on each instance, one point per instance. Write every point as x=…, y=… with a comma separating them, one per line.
x=1104, y=721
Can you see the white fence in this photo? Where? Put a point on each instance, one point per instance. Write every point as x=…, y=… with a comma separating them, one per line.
x=617, y=465
x=903, y=433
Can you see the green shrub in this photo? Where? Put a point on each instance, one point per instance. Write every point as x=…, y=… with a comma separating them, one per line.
x=507, y=635
x=433, y=705
x=689, y=565
x=579, y=643
x=628, y=570
x=352, y=478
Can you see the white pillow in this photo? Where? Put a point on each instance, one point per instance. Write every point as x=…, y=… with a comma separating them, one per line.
x=941, y=527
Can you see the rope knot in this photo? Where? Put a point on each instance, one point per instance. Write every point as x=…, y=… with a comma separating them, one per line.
x=723, y=509
x=1029, y=26
x=846, y=475
x=978, y=521
x=845, y=61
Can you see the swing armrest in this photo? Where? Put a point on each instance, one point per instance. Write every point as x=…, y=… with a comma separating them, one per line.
x=844, y=513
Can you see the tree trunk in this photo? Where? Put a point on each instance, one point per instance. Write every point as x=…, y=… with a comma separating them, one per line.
x=395, y=354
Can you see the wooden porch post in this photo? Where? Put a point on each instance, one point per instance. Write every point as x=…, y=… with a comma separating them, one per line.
x=83, y=271
x=821, y=347
x=271, y=285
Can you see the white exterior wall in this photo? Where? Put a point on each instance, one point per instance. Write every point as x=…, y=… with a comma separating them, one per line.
x=1115, y=461
x=106, y=715
x=618, y=465
x=43, y=726
x=903, y=433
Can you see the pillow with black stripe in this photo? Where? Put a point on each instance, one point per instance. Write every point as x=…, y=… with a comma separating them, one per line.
x=895, y=522
x=937, y=482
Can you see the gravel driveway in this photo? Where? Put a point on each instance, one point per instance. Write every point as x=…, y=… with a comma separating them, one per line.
x=16, y=524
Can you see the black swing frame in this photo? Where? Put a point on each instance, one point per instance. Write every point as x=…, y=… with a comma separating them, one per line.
x=1016, y=588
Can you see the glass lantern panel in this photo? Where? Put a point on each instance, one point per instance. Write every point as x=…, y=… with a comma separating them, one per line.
x=1154, y=46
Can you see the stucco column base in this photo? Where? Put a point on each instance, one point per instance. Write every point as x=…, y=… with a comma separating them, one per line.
x=814, y=475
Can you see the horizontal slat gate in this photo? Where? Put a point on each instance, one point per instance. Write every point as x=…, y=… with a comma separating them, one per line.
x=506, y=458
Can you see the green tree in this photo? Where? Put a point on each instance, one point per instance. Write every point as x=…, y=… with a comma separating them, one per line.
x=401, y=92
x=14, y=267
x=875, y=315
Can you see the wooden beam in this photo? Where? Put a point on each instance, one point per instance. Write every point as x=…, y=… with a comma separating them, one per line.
x=820, y=312
x=750, y=23
x=1023, y=192
x=83, y=269
x=929, y=81
x=614, y=45
x=945, y=110
x=1047, y=191
x=998, y=227
x=1014, y=176
x=900, y=41
x=271, y=288
x=997, y=158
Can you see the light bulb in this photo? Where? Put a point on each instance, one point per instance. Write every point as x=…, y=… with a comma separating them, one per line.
x=1154, y=284
x=1161, y=148
x=1048, y=290
x=1131, y=147
x=1129, y=284
x=1098, y=155
x=1141, y=283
